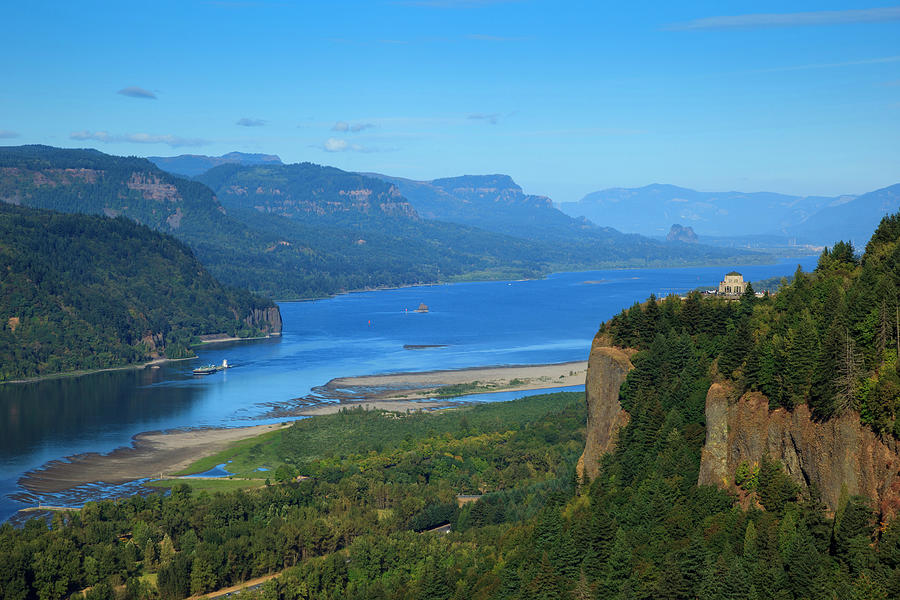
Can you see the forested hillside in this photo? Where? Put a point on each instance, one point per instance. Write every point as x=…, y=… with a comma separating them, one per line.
x=305, y=231
x=85, y=292
x=829, y=339
x=642, y=528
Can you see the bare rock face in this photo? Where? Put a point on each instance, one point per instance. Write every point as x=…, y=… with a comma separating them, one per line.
x=267, y=320
x=607, y=368
x=835, y=454
x=680, y=233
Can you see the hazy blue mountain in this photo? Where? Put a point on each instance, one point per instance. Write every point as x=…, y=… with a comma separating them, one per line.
x=680, y=233
x=191, y=165
x=853, y=220
x=650, y=210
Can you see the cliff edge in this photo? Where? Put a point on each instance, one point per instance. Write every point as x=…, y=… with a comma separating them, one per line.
x=267, y=320
x=607, y=368
x=831, y=455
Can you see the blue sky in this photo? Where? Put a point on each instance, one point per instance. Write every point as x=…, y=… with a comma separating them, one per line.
x=566, y=97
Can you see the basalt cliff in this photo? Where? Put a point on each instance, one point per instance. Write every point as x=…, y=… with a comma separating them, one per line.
x=608, y=367
x=838, y=458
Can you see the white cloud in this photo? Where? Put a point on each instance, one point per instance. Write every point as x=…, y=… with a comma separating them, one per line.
x=336, y=145
x=136, y=138
x=333, y=144
x=820, y=17
x=6, y=134
x=344, y=126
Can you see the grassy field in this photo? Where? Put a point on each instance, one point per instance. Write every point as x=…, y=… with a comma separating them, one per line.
x=210, y=485
x=246, y=456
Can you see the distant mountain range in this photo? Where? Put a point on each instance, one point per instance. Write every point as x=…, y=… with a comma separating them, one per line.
x=492, y=202
x=300, y=231
x=818, y=220
x=191, y=165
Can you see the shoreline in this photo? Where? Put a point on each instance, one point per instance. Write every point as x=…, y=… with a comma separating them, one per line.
x=769, y=260
x=153, y=454
x=233, y=339
x=140, y=365
x=82, y=373
x=447, y=384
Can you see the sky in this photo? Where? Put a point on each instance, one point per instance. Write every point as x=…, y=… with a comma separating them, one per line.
x=566, y=97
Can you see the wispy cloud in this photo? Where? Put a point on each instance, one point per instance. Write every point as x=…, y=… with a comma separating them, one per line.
x=846, y=63
x=591, y=131
x=134, y=91
x=333, y=144
x=497, y=38
x=344, y=126
x=491, y=118
x=6, y=134
x=248, y=122
x=800, y=19
x=137, y=138
x=452, y=3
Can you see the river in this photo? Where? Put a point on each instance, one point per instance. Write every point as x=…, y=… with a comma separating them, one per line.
x=480, y=323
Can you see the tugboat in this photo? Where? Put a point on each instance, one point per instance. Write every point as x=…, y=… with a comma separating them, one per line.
x=210, y=369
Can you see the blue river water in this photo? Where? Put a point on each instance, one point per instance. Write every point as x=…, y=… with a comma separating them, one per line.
x=481, y=323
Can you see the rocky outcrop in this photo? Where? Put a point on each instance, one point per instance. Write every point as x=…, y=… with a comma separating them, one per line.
x=267, y=320
x=837, y=454
x=607, y=368
x=680, y=233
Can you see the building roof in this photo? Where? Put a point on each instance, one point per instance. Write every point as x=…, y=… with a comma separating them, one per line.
x=732, y=273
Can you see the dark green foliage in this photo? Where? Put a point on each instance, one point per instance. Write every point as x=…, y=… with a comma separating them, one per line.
x=775, y=488
x=348, y=535
x=83, y=292
x=829, y=339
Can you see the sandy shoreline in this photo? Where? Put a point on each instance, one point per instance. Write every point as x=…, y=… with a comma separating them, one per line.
x=150, y=455
x=476, y=380
x=153, y=454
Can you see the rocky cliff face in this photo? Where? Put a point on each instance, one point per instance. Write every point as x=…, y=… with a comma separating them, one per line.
x=835, y=454
x=607, y=368
x=267, y=320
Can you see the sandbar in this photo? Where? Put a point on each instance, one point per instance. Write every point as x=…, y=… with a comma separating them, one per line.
x=429, y=384
x=150, y=455
x=157, y=454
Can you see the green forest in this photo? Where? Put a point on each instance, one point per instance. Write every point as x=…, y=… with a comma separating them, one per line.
x=829, y=339
x=88, y=292
x=358, y=525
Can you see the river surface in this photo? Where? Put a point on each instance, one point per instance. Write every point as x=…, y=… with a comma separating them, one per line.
x=484, y=323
